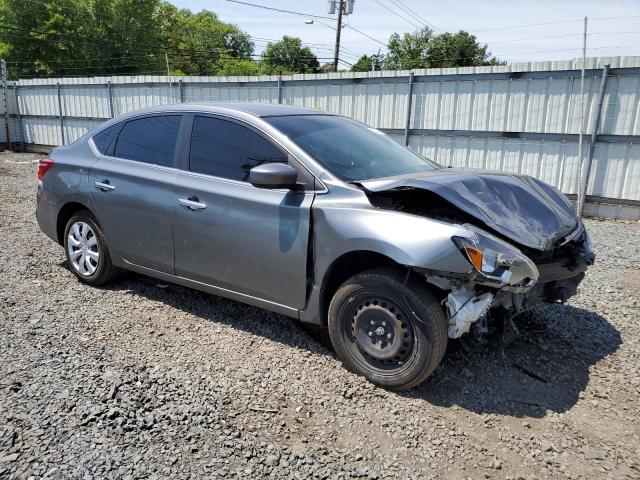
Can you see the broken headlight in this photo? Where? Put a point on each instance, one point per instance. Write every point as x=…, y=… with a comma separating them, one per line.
x=496, y=260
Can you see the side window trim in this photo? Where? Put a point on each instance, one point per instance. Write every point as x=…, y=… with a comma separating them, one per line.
x=310, y=180
x=175, y=160
x=112, y=145
x=109, y=149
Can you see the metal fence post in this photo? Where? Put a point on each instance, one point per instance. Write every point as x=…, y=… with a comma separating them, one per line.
x=19, y=114
x=586, y=170
x=181, y=90
x=407, y=124
x=5, y=100
x=279, y=89
x=110, y=95
x=60, y=113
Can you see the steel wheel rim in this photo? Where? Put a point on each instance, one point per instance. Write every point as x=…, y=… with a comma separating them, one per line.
x=382, y=334
x=83, y=249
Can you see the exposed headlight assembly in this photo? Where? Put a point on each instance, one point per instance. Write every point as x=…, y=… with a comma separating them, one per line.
x=496, y=262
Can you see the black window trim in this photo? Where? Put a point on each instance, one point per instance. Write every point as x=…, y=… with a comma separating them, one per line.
x=317, y=186
x=176, y=154
x=109, y=151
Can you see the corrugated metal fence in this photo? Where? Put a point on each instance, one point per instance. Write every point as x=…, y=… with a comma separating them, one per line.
x=521, y=118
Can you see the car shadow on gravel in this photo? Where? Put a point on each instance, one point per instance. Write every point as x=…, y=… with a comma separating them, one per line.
x=544, y=370
x=220, y=310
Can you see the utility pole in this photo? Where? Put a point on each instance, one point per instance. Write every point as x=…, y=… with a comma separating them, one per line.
x=166, y=59
x=3, y=67
x=336, y=55
x=581, y=132
x=374, y=61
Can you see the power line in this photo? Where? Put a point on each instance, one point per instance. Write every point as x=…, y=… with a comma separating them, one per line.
x=157, y=49
x=279, y=9
x=614, y=18
x=190, y=58
x=509, y=27
x=306, y=15
x=41, y=2
x=560, y=36
x=128, y=57
x=397, y=14
x=574, y=49
x=148, y=47
x=318, y=46
x=414, y=15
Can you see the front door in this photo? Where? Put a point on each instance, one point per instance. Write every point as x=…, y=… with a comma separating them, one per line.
x=231, y=234
x=132, y=189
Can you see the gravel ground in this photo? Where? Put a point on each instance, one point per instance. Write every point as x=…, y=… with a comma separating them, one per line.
x=144, y=380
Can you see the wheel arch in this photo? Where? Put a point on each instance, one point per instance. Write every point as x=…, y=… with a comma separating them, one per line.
x=346, y=266
x=65, y=213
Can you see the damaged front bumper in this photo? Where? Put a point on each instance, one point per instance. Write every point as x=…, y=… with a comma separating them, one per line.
x=515, y=283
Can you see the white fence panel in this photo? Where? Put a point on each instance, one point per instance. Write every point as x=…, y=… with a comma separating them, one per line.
x=520, y=118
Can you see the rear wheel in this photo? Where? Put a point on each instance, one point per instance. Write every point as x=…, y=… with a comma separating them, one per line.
x=86, y=248
x=392, y=334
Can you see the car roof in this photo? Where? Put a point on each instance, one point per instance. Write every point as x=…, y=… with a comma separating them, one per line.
x=255, y=109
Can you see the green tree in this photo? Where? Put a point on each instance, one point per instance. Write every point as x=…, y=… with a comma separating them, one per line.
x=236, y=67
x=368, y=63
x=76, y=37
x=459, y=50
x=201, y=44
x=424, y=49
x=409, y=51
x=92, y=37
x=288, y=56
x=364, y=64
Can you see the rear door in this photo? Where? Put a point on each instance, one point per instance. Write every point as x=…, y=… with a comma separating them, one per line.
x=231, y=234
x=132, y=189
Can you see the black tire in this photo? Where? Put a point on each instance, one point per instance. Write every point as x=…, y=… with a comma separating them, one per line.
x=375, y=306
x=104, y=269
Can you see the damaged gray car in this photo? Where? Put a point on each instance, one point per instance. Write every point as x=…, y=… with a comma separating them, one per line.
x=317, y=217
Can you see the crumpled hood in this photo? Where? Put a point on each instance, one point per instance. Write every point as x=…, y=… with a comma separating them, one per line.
x=520, y=207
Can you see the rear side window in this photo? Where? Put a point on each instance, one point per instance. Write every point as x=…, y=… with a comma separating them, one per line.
x=103, y=139
x=228, y=150
x=149, y=139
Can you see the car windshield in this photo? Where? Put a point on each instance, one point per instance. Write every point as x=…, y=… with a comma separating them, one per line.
x=348, y=149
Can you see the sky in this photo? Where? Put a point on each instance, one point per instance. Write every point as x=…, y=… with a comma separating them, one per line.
x=514, y=30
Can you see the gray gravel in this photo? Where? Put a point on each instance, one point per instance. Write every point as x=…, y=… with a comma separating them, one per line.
x=144, y=380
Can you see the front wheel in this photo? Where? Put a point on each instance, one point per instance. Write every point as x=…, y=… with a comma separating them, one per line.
x=394, y=335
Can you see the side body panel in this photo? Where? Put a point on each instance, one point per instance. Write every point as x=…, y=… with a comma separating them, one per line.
x=136, y=215
x=247, y=239
x=344, y=221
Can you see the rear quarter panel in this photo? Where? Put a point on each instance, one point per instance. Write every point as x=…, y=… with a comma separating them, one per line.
x=65, y=182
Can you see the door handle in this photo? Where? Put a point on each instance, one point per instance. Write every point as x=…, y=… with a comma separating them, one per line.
x=192, y=203
x=105, y=186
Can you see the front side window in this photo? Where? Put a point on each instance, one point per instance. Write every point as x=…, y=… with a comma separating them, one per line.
x=348, y=149
x=227, y=149
x=103, y=139
x=149, y=139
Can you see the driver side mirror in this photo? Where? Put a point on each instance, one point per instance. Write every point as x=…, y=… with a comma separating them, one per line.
x=273, y=175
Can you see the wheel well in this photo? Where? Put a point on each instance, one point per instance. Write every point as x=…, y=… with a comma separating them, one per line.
x=345, y=267
x=63, y=217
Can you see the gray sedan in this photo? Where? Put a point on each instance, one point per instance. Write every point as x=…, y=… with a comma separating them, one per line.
x=317, y=217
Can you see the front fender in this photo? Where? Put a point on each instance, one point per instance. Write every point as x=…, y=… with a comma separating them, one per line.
x=407, y=239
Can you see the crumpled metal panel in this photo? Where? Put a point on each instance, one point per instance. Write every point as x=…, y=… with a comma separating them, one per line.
x=519, y=207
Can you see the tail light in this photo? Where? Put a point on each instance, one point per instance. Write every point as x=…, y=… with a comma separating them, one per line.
x=44, y=164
